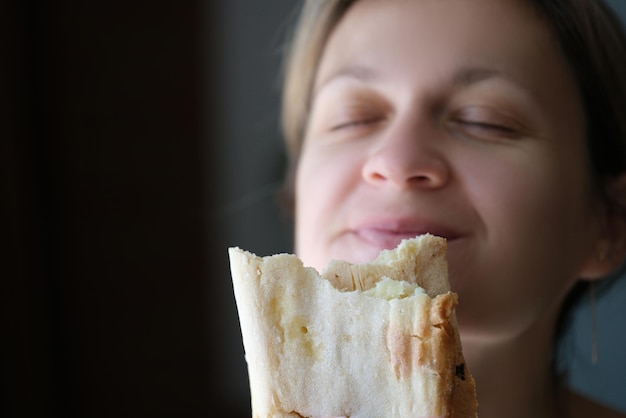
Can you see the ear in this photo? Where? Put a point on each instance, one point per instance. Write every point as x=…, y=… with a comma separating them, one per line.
x=607, y=258
x=610, y=248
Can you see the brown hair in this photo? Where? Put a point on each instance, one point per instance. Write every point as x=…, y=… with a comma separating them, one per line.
x=317, y=20
x=593, y=40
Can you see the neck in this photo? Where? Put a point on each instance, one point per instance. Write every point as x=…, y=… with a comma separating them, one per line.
x=514, y=375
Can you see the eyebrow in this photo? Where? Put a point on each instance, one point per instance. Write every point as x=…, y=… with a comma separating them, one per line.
x=466, y=76
x=357, y=72
x=472, y=75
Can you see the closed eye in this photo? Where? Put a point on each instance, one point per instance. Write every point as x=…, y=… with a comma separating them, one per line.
x=487, y=126
x=486, y=131
x=356, y=123
x=486, y=123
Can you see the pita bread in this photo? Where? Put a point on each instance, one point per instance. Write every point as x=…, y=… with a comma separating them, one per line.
x=369, y=341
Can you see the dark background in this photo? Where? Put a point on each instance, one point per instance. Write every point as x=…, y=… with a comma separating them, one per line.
x=135, y=136
x=139, y=140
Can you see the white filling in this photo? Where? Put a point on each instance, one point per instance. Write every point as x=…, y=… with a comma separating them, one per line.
x=389, y=289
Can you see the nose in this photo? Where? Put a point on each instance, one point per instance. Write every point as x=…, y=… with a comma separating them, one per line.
x=407, y=155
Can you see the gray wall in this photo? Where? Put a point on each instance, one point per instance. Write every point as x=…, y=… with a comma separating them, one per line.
x=620, y=7
x=250, y=165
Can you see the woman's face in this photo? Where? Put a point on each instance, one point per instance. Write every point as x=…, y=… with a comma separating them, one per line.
x=458, y=118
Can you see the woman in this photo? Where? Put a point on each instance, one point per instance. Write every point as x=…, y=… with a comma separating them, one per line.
x=492, y=123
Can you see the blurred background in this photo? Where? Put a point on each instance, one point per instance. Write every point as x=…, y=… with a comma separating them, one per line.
x=139, y=141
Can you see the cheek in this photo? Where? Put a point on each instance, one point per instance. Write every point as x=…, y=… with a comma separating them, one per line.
x=320, y=181
x=539, y=218
x=538, y=192
x=324, y=182
x=538, y=226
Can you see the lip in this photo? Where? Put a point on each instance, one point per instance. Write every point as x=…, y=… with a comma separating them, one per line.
x=389, y=232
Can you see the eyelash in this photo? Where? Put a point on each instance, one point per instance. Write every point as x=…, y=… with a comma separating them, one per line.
x=494, y=129
x=356, y=123
x=466, y=125
x=489, y=126
x=485, y=122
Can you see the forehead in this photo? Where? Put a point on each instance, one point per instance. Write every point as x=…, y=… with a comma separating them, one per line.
x=478, y=27
x=402, y=38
